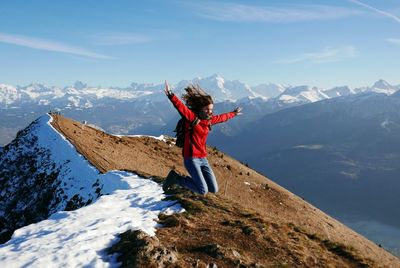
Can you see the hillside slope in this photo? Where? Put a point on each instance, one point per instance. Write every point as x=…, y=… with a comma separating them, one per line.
x=40, y=175
x=342, y=155
x=251, y=215
x=60, y=210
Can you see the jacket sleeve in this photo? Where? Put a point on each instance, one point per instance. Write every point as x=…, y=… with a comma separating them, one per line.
x=182, y=108
x=216, y=119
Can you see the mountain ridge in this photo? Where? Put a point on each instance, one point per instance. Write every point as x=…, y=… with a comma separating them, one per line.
x=279, y=205
x=39, y=160
x=80, y=95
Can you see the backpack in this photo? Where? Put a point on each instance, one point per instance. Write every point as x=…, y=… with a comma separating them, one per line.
x=180, y=130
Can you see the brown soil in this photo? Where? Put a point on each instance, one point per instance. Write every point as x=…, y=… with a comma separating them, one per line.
x=286, y=230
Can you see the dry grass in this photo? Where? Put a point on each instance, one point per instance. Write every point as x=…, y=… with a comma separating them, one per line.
x=258, y=197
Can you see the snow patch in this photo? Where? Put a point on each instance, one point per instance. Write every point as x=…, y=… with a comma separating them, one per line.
x=79, y=238
x=352, y=175
x=288, y=99
x=309, y=146
x=385, y=125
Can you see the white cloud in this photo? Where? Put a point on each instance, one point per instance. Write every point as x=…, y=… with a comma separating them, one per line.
x=249, y=13
x=394, y=41
x=110, y=39
x=43, y=44
x=328, y=54
x=384, y=13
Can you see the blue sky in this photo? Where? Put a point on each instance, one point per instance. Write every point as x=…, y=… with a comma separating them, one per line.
x=114, y=43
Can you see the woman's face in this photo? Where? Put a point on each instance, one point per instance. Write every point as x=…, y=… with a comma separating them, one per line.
x=207, y=111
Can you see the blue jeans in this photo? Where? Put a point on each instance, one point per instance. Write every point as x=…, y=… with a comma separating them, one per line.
x=202, y=178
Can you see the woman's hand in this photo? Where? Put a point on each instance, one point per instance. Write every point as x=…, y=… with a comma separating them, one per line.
x=167, y=90
x=238, y=111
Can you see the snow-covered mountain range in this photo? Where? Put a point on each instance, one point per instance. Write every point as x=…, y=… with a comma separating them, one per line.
x=82, y=96
x=144, y=109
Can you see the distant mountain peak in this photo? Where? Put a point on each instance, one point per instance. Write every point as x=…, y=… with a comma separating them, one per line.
x=339, y=91
x=216, y=76
x=382, y=84
x=80, y=85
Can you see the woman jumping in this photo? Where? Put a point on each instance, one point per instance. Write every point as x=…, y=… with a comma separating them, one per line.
x=198, y=115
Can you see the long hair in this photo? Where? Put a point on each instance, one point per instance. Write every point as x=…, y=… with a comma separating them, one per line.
x=196, y=98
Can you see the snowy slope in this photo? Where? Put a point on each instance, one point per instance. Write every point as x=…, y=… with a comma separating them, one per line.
x=380, y=86
x=339, y=91
x=79, y=238
x=8, y=95
x=220, y=88
x=42, y=174
x=270, y=90
x=302, y=94
x=41, y=159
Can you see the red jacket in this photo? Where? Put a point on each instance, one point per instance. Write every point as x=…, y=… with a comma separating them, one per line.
x=195, y=146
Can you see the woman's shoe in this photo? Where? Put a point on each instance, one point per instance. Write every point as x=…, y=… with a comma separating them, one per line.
x=170, y=180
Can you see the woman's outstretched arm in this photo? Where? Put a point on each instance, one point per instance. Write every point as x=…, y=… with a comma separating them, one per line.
x=178, y=104
x=216, y=119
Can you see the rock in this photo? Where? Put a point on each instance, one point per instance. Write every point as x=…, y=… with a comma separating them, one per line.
x=213, y=250
x=236, y=254
x=138, y=249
